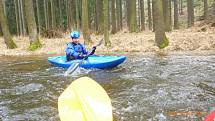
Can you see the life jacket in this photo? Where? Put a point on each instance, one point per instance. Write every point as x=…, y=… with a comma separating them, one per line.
x=73, y=51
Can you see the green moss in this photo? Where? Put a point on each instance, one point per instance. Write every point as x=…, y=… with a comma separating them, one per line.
x=12, y=44
x=35, y=46
x=165, y=43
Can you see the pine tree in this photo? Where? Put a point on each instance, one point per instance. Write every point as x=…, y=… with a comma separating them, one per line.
x=106, y=23
x=31, y=24
x=5, y=29
x=160, y=36
x=85, y=22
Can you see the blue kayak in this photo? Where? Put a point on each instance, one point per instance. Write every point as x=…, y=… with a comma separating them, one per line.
x=100, y=62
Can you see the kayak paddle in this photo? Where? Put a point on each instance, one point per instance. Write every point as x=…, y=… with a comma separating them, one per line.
x=84, y=100
x=75, y=65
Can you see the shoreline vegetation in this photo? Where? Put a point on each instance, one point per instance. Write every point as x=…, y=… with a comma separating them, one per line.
x=192, y=39
x=122, y=32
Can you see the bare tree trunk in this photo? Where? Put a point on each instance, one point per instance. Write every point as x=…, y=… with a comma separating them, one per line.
x=132, y=16
x=68, y=14
x=49, y=17
x=149, y=15
x=176, y=25
x=113, y=13
x=181, y=7
x=142, y=15
x=20, y=18
x=85, y=22
x=32, y=28
x=3, y=1
x=53, y=16
x=128, y=12
x=190, y=11
x=77, y=15
x=153, y=17
x=167, y=15
x=38, y=16
x=45, y=14
x=17, y=18
x=106, y=22
x=71, y=14
x=99, y=16
x=60, y=12
x=205, y=9
x=160, y=37
x=120, y=14
x=23, y=18
x=5, y=29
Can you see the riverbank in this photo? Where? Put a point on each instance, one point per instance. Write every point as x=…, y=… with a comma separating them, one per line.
x=194, y=39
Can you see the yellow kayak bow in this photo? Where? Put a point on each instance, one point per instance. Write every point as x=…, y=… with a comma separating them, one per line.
x=84, y=100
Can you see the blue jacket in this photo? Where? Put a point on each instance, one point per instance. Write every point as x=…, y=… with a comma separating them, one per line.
x=74, y=50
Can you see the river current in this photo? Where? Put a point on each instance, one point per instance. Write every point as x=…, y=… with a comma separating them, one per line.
x=171, y=87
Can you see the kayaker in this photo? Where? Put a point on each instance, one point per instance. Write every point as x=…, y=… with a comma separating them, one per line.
x=76, y=50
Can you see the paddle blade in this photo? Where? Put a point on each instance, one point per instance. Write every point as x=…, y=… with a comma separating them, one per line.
x=84, y=100
x=72, y=68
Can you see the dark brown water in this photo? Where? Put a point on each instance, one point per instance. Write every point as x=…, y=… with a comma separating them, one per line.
x=176, y=87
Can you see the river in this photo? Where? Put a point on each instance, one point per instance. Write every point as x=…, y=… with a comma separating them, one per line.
x=172, y=87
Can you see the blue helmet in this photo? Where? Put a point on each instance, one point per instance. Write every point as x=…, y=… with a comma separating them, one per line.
x=75, y=34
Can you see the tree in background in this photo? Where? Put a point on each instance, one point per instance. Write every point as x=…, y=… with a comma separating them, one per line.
x=5, y=29
x=132, y=16
x=181, y=12
x=142, y=15
x=106, y=22
x=38, y=16
x=31, y=24
x=71, y=11
x=176, y=24
x=46, y=14
x=149, y=14
x=99, y=17
x=53, y=14
x=113, y=13
x=119, y=14
x=167, y=15
x=17, y=17
x=21, y=27
x=160, y=36
x=190, y=11
x=85, y=22
x=205, y=9
x=77, y=14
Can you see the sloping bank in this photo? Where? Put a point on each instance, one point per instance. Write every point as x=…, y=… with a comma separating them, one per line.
x=123, y=42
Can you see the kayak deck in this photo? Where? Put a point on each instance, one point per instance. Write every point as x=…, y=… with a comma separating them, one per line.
x=84, y=100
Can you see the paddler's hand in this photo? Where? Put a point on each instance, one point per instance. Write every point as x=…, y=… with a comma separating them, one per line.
x=93, y=50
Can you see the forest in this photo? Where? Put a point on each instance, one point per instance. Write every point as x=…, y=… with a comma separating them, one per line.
x=112, y=19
